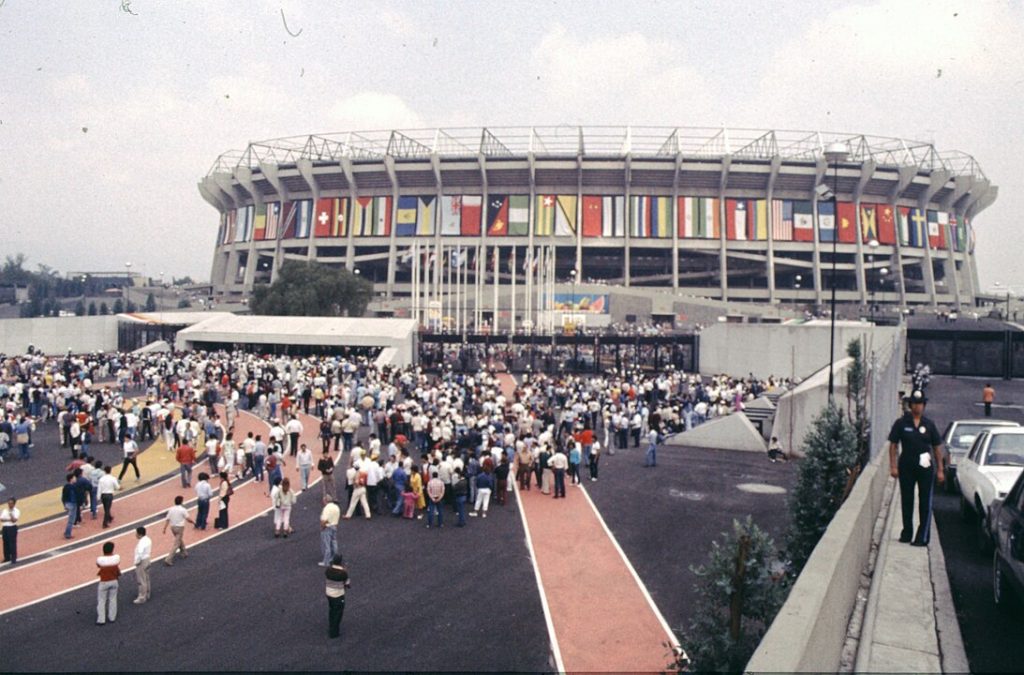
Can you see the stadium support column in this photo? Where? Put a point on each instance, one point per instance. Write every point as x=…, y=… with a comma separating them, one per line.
x=906, y=176
x=961, y=186
x=867, y=169
x=579, y=212
x=353, y=194
x=389, y=165
x=213, y=195
x=481, y=270
x=770, y=258
x=938, y=180
x=243, y=175
x=270, y=172
x=225, y=185
x=723, y=265
x=305, y=167
x=530, y=260
x=627, y=208
x=820, y=168
x=435, y=165
x=675, y=222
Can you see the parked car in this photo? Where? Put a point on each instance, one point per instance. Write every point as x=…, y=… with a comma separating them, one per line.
x=958, y=439
x=987, y=473
x=1008, y=557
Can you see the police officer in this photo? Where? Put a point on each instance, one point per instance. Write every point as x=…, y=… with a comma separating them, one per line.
x=920, y=464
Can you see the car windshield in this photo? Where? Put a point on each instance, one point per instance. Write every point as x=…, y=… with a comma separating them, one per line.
x=964, y=434
x=1007, y=449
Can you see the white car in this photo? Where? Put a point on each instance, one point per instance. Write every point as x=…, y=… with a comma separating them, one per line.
x=987, y=473
x=958, y=439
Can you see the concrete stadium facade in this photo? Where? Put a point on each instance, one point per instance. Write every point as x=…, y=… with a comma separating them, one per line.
x=742, y=215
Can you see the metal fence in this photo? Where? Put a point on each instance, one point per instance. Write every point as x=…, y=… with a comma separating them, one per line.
x=884, y=358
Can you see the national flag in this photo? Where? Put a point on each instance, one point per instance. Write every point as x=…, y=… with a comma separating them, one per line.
x=903, y=218
x=339, y=217
x=918, y=228
x=287, y=220
x=425, y=209
x=886, y=224
x=613, y=216
x=688, y=208
x=405, y=216
x=959, y=233
x=971, y=240
x=259, y=228
x=803, y=221
x=244, y=228
x=362, y=217
x=712, y=218
x=782, y=227
x=760, y=220
x=565, y=216
x=519, y=215
x=323, y=219
x=592, y=215
x=544, y=218
x=382, y=216
x=230, y=219
x=639, y=217
x=937, y=221
x=472, y=211
x=847, y=221
x=451, y=215
x=826, y=221
x=662, y=217
x=497, y=215
x=869, y=223
x=303, y=218
x=736, y=219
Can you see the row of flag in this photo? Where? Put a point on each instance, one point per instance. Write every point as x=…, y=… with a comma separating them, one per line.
x=648, y=217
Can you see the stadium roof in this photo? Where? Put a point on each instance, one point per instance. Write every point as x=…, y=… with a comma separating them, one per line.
x=594, y=142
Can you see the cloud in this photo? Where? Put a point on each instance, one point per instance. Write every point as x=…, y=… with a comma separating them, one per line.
x=370, y=110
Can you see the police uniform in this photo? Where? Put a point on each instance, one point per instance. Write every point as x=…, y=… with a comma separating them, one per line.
x=916, y=441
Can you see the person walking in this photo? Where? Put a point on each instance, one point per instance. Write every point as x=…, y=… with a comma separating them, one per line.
x=524, y=466
x=651, y=457
x=143, y=553
x=70, y=502
x=186, y=457
x=283, y=498
x=9, y=516
x=559, y=464
x=106, y=592
x=108, y=485
x=294, y=429
x=595, y=459
x=326, y=468
x=919, y=465
x=357, y=476
x=304, y=460
x=329, y=516
x=131, y=453
x=988, y=395
x=176, y=518
x=204, y=493
x=574, y=462
x=337, y=585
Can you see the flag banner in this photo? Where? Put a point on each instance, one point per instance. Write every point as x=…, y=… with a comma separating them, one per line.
x=382, y=216
x=362, y=217
x=244, y=227
x=688, y=210
x=230, y=220
x=303, y=218
x=782, y=220
x=937, y=221
x=544, y=217
x=602, y=216
x=471, y=215
x=405, y=216
x=712, y=210
x=451, y=215
x=259, y=227
x=329, y=217
x=339, y=217
x=591, y=303
x=903, y=225
x=959, y=233
x=736, y=219
x=565, y=216
x=519, y=215
x=918, y=228
x=497, y=215
x=847, y=223
x=869, y=223
x=651, y=217
x=971, y=240
x=826, y=222
x=592, y=215
x=286, y=226
x=803, y=221
x=222, y=229
x=425, y=210
x=886, y=224
x=759, y=221
x=613, y=216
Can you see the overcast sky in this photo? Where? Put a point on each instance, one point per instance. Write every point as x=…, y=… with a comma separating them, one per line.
x=108, y=118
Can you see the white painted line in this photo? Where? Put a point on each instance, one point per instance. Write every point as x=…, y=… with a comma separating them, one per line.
x=556, y=652
x=629, y=566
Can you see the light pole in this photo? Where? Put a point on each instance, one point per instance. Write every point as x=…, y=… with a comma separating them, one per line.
x=572, y=305
x=834, y=153
x=883, y=278
x=796, y=284
x=127, y=283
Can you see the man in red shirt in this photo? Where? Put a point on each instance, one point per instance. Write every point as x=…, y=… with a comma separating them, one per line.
x=186, y=456
x=106, y=592
x=586, y=440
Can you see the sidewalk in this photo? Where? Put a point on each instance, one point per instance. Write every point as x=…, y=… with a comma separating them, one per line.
x=910, y=623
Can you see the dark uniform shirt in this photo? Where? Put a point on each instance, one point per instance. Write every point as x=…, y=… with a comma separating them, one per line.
x=914, y=440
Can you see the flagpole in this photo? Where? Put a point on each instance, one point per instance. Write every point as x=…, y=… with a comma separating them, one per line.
x=512, y=313
x=528, y=269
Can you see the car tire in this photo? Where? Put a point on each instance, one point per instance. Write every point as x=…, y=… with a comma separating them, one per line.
x=982, y=535
x=965, y=510
x=1000, y=585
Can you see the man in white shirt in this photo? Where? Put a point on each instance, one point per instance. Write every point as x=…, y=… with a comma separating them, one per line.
x=108, y=485
x=177, y=516
x=143, y=552
x=9, y=516
x=294, y=429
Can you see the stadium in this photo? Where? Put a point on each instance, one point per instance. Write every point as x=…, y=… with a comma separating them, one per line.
x=724, y=214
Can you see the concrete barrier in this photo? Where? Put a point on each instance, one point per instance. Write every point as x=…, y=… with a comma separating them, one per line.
x=810, y=629
x=55, y=335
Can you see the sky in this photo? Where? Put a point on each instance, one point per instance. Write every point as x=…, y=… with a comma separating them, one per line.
x=111, y=111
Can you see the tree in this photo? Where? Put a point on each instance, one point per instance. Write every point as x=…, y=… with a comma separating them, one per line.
x=150, y=303
x=118, y=306
x=131, y=307
x=739, y=591
x=830, y=450
x=312, y=289
x=92, y=308
x=857, y=400
x=184, y=303
x=79, y=308
x=104, y=309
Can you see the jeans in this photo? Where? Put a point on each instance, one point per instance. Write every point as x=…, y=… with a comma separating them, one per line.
x=652, y=458
x=560, y=483
x=347, y=441
x=124, y=467
x=23, y=452
x=108, y=504
x=432, y=509
x=72, y=509
x=399, y=504
x=186, y=474
x=460, y=508
x=202, y=513
x=594, y=460
x=94, y=500
x=304, y=475
x=335, y=610
x=10, y=537
x=257, y=466
x=328, y=544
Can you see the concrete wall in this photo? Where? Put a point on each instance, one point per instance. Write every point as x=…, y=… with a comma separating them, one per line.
x=810, y=629
x=58, y=334
x=787, y=350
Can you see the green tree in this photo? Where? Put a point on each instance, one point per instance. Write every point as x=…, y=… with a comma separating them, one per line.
x=150, y=303
x=118, y=306
x=92, y=308
x=739, y=591
x=184, y=303
x=312, y=289
x=857, y=400
x=830, y=450
x=79, y=308
x=131, y=307
x=104, y=309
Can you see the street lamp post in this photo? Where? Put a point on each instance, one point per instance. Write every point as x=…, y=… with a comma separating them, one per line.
x=572, y=305
x=834, y=153
x=796, y=284
x=127, y=283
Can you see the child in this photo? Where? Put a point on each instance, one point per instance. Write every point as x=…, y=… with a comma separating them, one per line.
x=408, y=502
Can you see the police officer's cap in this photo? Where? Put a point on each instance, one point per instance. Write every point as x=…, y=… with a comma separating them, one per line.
x=917, y=396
